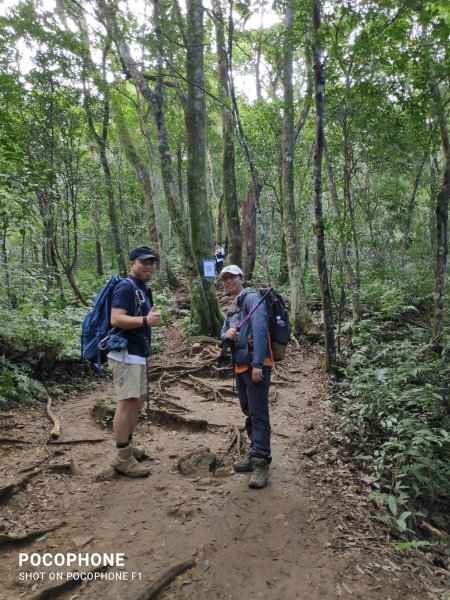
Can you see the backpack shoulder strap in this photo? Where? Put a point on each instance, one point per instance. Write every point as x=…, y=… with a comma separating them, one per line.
x=137, y=305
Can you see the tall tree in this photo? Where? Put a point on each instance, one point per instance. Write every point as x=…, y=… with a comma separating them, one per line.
x=195, y=120
x=206, y=317
x=319, y=85
x=230, y=199
x=300, y=316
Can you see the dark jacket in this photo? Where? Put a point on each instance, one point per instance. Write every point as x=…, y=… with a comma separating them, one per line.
x=255, y=329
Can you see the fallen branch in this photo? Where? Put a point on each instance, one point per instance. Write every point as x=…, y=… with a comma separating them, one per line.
x=163, y=581
x=27, y=537
x=54, y=591
x=56, y=431
x=14, y=441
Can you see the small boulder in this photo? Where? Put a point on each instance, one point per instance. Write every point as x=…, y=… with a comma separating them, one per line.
x=198, y=463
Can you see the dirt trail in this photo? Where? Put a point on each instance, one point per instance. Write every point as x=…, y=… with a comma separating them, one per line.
x=306, y=536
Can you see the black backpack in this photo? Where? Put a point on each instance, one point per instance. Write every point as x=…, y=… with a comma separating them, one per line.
x=279, y=325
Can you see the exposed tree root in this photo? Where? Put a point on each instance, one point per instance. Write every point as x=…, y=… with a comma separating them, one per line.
x=164, y=580
x=55, y=591
x=11, y=488
x=82, y=441
x=163, y=416
x=27, y=537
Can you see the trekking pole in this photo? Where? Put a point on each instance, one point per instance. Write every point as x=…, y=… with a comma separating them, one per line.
x=147, y=409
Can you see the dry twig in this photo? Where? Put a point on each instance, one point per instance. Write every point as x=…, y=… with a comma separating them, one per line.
x=56, y=431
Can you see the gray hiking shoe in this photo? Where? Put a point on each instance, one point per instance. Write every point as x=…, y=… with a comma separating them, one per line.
x=139, y=452
x=244, y=465
x=126, y=464
x=260, y=473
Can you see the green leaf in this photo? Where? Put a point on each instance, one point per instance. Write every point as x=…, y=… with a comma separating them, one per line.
x=392, y=503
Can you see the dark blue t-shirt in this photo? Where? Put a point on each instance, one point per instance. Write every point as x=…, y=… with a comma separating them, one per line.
x=123, y=297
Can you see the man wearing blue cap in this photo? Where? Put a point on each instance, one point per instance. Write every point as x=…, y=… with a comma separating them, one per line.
x=133, y=312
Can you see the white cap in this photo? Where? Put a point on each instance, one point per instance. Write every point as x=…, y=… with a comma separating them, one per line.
x=233, y=269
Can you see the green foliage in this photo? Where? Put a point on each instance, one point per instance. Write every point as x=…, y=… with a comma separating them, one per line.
x=16, y=386
x=31, y=348
x=397, y=394
x=104, y=409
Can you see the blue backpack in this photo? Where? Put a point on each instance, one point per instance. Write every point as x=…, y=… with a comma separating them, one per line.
x=97, y=336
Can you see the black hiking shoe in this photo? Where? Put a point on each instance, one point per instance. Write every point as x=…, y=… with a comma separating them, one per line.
x=260, y=474
x=244, y=465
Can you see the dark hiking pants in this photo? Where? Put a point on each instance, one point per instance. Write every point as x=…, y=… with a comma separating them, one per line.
x=254, y=401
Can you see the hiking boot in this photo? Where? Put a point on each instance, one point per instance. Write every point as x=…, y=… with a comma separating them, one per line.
x=241, y=466
x=126, y=464
x=138, y=452
x=260, y=473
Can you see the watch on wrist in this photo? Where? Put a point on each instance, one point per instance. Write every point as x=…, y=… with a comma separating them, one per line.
x=144, y=321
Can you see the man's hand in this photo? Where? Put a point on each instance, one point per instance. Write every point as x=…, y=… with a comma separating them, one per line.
x=154, y=317
x=231, y=333
x=257, y=375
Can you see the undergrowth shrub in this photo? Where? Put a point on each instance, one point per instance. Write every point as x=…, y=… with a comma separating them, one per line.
x=397, y=403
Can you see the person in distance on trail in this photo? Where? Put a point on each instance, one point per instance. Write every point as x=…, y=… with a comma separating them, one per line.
x=219, y=256
x=129, y=366
x=252, y=363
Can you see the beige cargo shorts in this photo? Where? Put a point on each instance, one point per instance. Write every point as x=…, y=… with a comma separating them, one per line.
x=130, y=381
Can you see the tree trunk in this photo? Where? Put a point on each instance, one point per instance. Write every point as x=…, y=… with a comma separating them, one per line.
x=142, y=175
x=348, y=195
x=249, y=208
x=300, y=318
x=319, y=81
x=234, y=233
x=200, y=310
x=195, y=119
x=156, y=194
x=442, y=200
x=98, y=243
x=101, y=141
x=410, y=210
x=5, y=266
x=343, y=244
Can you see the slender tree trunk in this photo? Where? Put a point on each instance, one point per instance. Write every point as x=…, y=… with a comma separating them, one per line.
x=4, y=264
x=154, y=177
x=101, y=147
x=143, y=176
x=442, y=202
x=319, y=81
x=343, y=244
x=300, y=318
x=228, y=153
x=434, y=190
x=180, y=174
x=348, y=195
x=98, y=244
x=410, y=210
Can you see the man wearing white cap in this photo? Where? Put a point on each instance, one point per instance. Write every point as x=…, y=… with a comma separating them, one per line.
x=252, y=363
